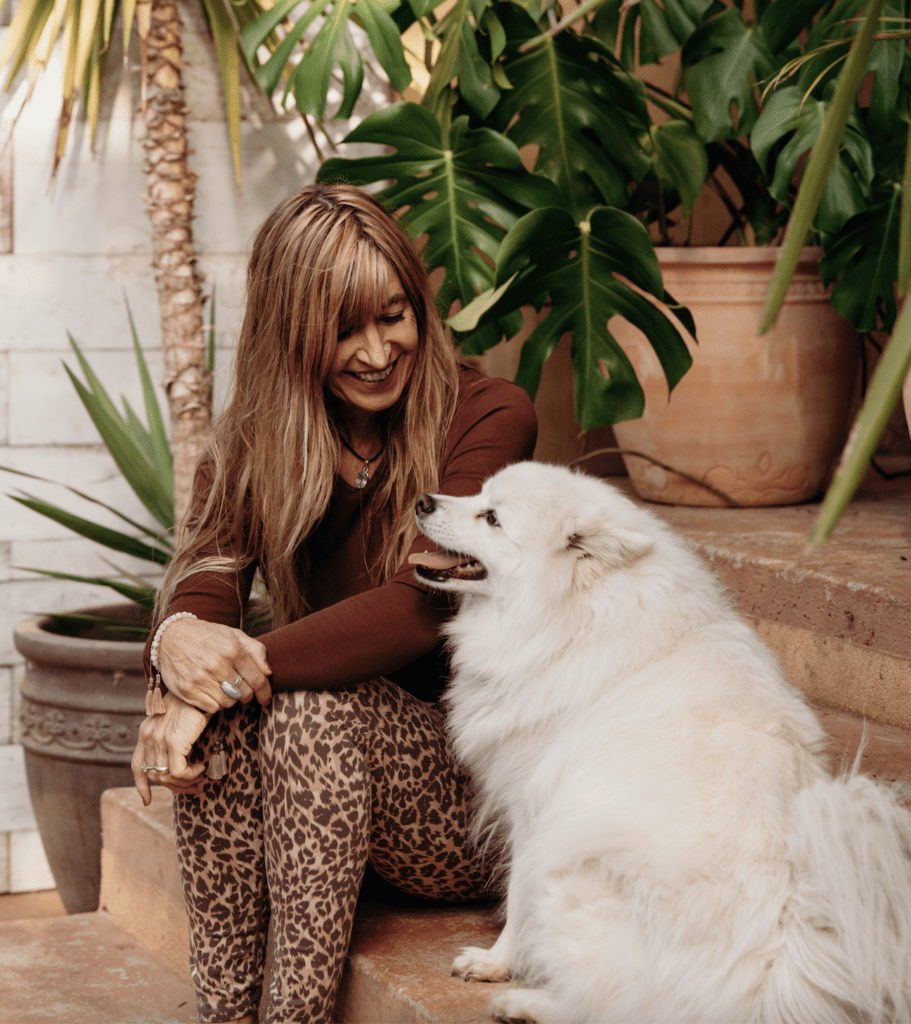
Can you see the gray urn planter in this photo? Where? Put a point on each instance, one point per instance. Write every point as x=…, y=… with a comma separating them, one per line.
x=83, y=699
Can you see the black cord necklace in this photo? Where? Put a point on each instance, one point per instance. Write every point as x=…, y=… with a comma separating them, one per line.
x=360, y=481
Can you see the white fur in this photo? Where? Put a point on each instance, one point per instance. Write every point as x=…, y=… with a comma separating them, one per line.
x=674, y=846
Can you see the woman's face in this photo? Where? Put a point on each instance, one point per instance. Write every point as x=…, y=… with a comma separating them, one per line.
x=373, y=363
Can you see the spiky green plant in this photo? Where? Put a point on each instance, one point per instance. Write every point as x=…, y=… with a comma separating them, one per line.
x=143, y=456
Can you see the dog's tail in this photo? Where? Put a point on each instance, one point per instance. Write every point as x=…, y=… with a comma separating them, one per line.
x=847, y=927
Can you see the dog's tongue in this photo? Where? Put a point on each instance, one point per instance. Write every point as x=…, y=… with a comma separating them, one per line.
x=436, y=559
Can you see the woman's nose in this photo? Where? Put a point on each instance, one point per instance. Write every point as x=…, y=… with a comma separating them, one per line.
x=372, y=349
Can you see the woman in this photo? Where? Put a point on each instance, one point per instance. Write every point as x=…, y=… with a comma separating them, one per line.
x=348, y=402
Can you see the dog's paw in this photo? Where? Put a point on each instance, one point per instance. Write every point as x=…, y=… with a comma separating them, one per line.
x=475, y=964
x=526, y=1005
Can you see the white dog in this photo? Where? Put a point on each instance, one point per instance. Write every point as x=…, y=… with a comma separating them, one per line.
x=676, y=850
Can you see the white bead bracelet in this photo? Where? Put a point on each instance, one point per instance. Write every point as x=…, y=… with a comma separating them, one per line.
x=156, y=640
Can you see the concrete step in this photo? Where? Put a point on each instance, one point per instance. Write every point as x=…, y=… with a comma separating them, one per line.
x=839, y=615
x=398, y=968
x=85, y=969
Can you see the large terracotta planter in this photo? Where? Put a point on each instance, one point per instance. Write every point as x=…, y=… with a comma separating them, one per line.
x=761, y=418
x=83, y=699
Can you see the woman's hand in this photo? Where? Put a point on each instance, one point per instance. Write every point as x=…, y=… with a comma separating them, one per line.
x=195, y=657
x=164, y=743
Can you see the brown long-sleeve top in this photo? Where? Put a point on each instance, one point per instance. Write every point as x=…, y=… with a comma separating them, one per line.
x=359, y=631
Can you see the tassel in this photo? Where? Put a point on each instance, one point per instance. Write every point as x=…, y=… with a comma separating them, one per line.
x=154, y=699
x=218, y=762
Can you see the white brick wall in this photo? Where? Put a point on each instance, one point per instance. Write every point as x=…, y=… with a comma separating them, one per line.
x=68, y=255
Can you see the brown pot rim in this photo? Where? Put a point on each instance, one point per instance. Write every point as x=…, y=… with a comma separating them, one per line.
x=738, y=255
x=37, y=644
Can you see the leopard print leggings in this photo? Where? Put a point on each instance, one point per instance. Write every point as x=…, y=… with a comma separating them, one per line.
x=323, y=784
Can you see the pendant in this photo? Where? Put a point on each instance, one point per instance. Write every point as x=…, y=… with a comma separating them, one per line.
x=360, y=481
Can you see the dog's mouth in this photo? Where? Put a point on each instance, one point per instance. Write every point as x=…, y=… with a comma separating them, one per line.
x=440, y=566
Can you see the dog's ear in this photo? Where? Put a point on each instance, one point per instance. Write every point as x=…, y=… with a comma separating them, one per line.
x=600, y=547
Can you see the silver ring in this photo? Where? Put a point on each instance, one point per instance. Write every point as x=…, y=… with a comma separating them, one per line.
x=153, y=768
x=232, y=690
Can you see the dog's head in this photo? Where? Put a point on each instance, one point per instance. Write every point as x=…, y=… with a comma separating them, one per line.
x=531, y=524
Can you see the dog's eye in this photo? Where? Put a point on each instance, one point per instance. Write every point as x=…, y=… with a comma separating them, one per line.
x=491, y=517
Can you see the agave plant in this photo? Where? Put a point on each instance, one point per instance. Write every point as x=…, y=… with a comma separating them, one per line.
x=142, y=454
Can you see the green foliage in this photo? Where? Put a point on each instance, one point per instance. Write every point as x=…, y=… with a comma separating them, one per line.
x=771, y=100
x=723, y=62
x=309, y=80
x=863, y=262
x=85, y=28
x=547, y=256
x=143, y=457
x=572, y=100
x=463, y=188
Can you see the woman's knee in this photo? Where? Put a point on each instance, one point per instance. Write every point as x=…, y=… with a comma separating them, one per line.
x=310, y=716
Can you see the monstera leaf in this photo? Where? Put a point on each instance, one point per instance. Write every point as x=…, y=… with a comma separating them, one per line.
x=864, y=258
x=550, y=256
x=463, y=191
x=659, y=28
x=783, y=21
x=310, y=78
x=788, y=115
x=723, y=62
x=680, y=159
x=579, y=107
x=460, y=56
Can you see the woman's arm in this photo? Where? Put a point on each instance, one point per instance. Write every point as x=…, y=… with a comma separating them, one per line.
x=195, y=655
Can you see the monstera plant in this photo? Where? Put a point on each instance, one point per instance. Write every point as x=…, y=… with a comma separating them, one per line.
x=542, y=169
x=458, y=174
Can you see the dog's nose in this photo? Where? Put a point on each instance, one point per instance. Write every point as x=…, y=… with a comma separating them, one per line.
x=425, y=505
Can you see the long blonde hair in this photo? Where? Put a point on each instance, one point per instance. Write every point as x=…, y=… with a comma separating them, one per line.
x=320, y=260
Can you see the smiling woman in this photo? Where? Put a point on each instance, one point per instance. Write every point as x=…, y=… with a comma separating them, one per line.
x=348, y=403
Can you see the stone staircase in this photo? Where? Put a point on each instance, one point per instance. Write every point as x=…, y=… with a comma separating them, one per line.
x=839, y=617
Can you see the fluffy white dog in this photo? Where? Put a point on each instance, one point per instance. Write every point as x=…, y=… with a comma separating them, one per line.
x=675, y=848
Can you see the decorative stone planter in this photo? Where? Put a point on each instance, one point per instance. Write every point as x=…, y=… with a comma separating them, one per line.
x=83, y=699
x=760, y=417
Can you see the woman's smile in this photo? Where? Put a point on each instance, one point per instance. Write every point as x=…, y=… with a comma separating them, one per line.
x=374, y=377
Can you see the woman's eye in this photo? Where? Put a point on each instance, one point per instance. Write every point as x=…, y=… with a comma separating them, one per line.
x=392, y=318
x=491, y=517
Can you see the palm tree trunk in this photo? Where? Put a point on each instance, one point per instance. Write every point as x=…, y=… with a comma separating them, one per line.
x=170, y=197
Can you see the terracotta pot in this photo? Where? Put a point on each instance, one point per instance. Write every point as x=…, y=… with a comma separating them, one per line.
x=761, y=418
x=83, y=699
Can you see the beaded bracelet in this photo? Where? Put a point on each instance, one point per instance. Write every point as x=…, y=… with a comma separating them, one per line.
x=156, y=640
x=154, y=699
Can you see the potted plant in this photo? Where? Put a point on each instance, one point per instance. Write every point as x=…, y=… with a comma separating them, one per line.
x=573, y=230
x=810, y=60
x=83, y=693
